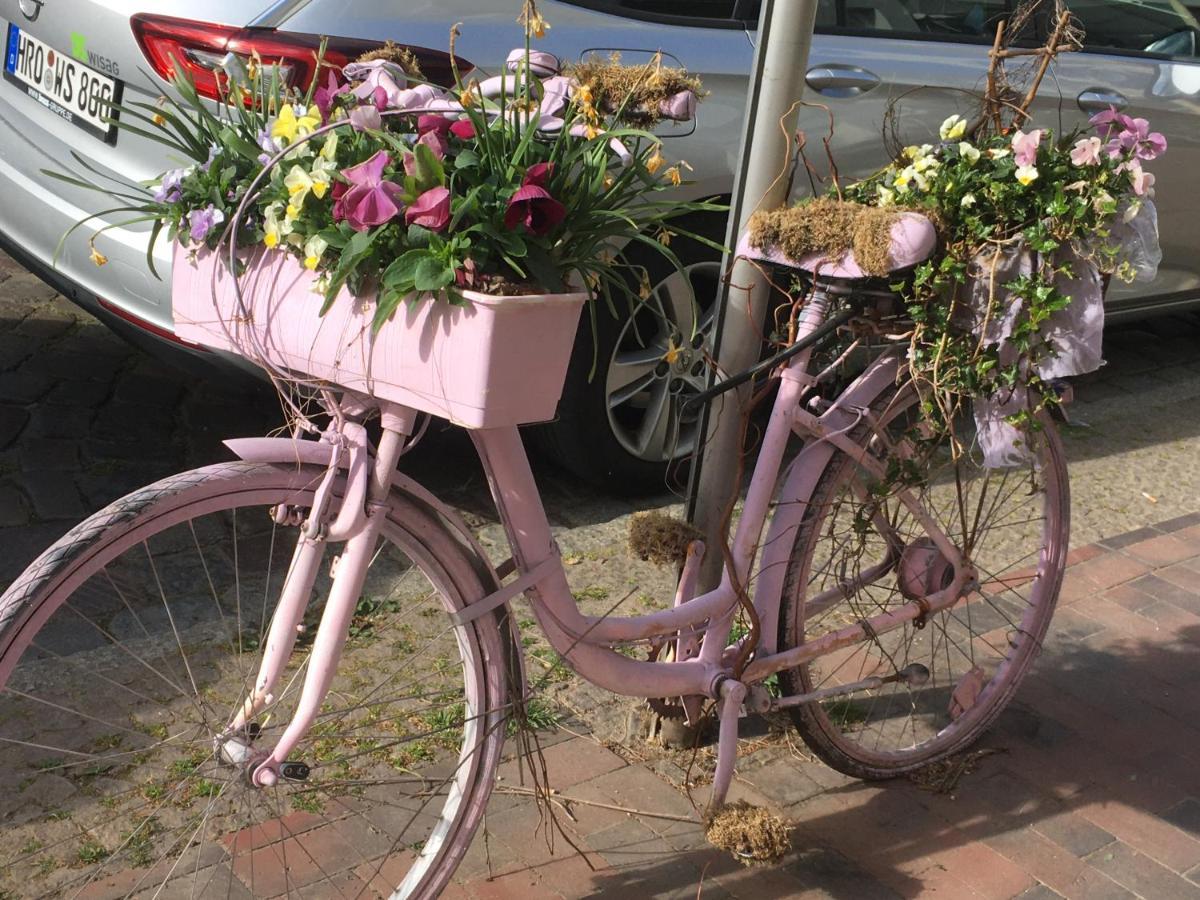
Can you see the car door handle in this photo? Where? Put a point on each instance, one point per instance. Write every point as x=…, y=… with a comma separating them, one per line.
x=841, y=81
x=1098, y=98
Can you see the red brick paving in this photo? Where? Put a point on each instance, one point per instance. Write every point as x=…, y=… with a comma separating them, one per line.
x=1096, y=795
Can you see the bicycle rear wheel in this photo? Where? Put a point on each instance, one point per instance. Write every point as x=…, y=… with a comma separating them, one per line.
x=130, y=643
x=1011, y=524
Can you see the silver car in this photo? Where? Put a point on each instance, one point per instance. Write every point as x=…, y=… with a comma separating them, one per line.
x=621, y=426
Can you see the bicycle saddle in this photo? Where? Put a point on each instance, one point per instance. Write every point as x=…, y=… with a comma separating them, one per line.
x=913, y=241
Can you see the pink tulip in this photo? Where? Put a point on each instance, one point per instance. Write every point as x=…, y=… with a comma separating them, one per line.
x=431, y=210
x=370, y=200
x=1025, y=147
x=1086, y=151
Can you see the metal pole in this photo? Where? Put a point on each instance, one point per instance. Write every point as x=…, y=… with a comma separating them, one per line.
x=780, y=61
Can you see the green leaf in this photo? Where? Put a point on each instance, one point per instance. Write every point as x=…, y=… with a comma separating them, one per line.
x=430, y=172
x=418, y=236
x=333, y=237
x=235, y=141
x=432, y=275
x=466, y=159
x=466, y=205
x=403, y=270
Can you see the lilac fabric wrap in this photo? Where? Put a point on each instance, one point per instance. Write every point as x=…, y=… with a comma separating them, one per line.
x=1075, y=332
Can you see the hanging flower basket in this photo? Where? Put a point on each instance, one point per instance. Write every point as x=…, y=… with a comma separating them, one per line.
x=492, y=362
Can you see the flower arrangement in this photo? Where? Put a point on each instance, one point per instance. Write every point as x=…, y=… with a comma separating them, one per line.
x=393, y=187
x=1030, y=226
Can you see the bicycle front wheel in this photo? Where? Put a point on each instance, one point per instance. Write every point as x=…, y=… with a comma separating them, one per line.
x=860, y=552
x=129, y=645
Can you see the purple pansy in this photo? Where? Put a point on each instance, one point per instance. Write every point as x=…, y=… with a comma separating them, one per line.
x=1144, y=143
x=463, y=128
x=366, y=118
x=269, y=146
x=427, y=123
x=202, y=221
x=213, y=150
x=370, y=200
x=324, y=95
x=435, y=142
x=431, y=210
x=1109, y=121
x=532, y=205
x=168, y=190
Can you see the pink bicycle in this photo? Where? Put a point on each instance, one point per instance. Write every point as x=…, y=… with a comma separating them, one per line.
x=170, y=691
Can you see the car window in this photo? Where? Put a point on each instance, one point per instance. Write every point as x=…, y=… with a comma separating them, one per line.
x=710, y=13
x=1156, y=27
x=947, y=19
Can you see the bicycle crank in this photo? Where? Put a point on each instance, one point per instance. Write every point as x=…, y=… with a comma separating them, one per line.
x=759, y=701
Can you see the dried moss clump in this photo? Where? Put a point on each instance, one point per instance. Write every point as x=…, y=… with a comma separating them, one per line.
x=394, y=53
x=752, y=834
x=828, y=226
x=637, y=90
x=660, y=539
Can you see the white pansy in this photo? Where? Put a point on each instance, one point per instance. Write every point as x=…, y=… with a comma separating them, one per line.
x=969, y=152
x=1027, y=174
x=953, y=128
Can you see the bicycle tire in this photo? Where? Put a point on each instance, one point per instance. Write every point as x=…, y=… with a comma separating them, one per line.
x=837, y=730
x=65, y=580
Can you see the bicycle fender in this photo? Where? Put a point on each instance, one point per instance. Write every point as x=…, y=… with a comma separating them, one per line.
x=800, y=482
x=288, y=451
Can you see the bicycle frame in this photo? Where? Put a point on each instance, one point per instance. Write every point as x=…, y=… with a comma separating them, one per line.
x=586, y=643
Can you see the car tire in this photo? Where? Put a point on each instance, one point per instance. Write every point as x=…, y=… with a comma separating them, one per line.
x=620, y=424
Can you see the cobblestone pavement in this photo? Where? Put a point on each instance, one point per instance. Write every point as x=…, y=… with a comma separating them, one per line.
x=1096, y=794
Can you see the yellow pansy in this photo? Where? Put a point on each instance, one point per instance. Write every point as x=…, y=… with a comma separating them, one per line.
x=299, y=183
x=886, y=197
x=289, y=125
x=969, y=152
x=314, y=247
x=999, y=152
x=329, y=149
x=925, y=163
x=968, y=201
x=273, y=229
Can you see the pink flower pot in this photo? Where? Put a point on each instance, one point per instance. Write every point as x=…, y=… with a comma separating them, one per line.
x=498, y=361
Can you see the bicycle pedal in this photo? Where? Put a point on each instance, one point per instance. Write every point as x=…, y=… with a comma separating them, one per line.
x=295, y=771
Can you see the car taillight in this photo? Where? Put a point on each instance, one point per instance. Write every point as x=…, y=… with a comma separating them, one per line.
x=201, y=48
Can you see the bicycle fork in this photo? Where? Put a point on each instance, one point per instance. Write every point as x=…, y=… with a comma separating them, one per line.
x=358, y=523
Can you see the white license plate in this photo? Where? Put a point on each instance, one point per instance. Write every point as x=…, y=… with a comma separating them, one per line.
x=62, y=84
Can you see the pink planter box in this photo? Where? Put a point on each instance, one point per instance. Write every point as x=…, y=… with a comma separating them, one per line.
x=499, y=361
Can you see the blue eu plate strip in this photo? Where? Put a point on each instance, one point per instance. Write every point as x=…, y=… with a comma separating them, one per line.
x=14, y=41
